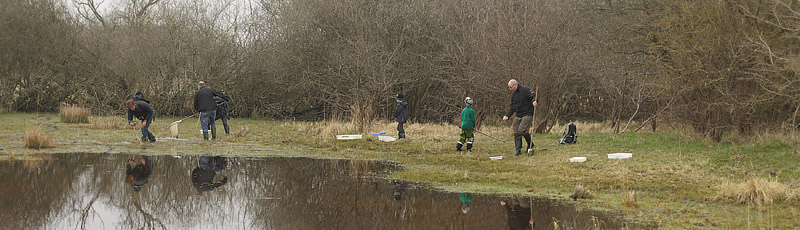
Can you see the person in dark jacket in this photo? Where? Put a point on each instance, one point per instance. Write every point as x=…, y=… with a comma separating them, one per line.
x=207, y=175
x=205, y=104
x=222, y=112
x=145, y=113
x=140, y=115
x=522, y=102
x=138, y=173
x=401, y=115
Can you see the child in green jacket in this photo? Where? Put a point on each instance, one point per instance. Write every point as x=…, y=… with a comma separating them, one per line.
x=467, y=126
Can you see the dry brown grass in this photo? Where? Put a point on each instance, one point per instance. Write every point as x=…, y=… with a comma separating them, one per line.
x=73, y=114
x=754, y=191
x=767, y=135
x=602, y=127
x=110, y=123
x=330, y=129
x=35, y=139
x=582, y=193
x=241, y=133
x=630, y=200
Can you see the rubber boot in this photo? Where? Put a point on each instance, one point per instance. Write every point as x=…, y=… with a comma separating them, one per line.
x=528, y=140
x=458, y=146
x=151, y=137
x=213, y=133
x=518, y=146
x=205, y=136
x=227, y=129
x=469, y=147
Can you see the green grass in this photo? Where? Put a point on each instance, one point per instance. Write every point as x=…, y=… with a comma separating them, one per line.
x=674, y=174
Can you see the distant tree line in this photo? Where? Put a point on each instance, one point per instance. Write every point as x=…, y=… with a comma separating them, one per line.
x=719, y=66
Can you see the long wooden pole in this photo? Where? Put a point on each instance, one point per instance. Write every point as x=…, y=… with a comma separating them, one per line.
x=533, y=120
x=534, y=108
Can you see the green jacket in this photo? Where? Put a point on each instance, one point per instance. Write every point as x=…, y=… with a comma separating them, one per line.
x=467, y=118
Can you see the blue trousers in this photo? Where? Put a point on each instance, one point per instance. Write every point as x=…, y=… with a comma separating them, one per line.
x=207, y=120
x=145, y=131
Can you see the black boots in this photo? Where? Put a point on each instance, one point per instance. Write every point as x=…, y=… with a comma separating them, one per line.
x=517, y=145
x=530, y=143
x=469, y=147
x=458, y=146
x=151, y=137
x=227, y=129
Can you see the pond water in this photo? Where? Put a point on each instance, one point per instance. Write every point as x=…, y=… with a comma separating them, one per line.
x=119, y=191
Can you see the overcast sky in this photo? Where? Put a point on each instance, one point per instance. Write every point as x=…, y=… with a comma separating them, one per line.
x=108, y=6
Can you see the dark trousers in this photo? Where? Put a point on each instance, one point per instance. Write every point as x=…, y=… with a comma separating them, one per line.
x=223, y=114
x=145, y=131
x=401, y=133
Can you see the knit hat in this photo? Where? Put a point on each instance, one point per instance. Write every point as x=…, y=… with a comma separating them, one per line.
x=399, y=96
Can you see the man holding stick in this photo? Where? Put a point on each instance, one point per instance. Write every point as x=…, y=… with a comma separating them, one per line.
x=523, y=102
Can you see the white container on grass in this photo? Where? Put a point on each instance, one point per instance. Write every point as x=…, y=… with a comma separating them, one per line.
x=386, y=138
x=348, y=137
x=577, y=159
x=619, y=155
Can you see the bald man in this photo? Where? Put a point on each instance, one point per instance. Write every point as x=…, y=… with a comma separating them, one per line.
x=205, y=104
x=522, y=102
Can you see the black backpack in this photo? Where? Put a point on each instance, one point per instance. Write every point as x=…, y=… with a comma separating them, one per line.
x=570, y=137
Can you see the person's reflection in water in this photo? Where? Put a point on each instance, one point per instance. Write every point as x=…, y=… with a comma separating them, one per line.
x=138, y=172
x=465, y=198
x=208, y=174
x=399, y=189
x=519, y=213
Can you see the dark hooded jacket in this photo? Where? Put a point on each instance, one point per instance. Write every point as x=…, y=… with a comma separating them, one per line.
x=143, y=111
x=140, y=97
x=204, y=99
x=401, y=112
x=522, y=101
x=222, y=108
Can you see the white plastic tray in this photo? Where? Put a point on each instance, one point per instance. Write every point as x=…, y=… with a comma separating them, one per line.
x=348, y=137
x=577, y=159
x=620, y=155
x=386, y=138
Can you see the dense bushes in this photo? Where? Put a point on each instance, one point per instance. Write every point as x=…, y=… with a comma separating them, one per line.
x=719, y=66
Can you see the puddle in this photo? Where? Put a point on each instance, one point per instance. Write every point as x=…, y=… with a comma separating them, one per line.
x=117, y=191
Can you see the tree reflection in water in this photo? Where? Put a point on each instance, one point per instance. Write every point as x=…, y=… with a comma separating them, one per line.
x=84, y=191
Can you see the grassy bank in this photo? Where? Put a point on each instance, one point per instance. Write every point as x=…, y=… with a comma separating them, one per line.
x=674, y=179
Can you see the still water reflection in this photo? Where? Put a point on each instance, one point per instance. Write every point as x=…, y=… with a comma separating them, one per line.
x=117, y=191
